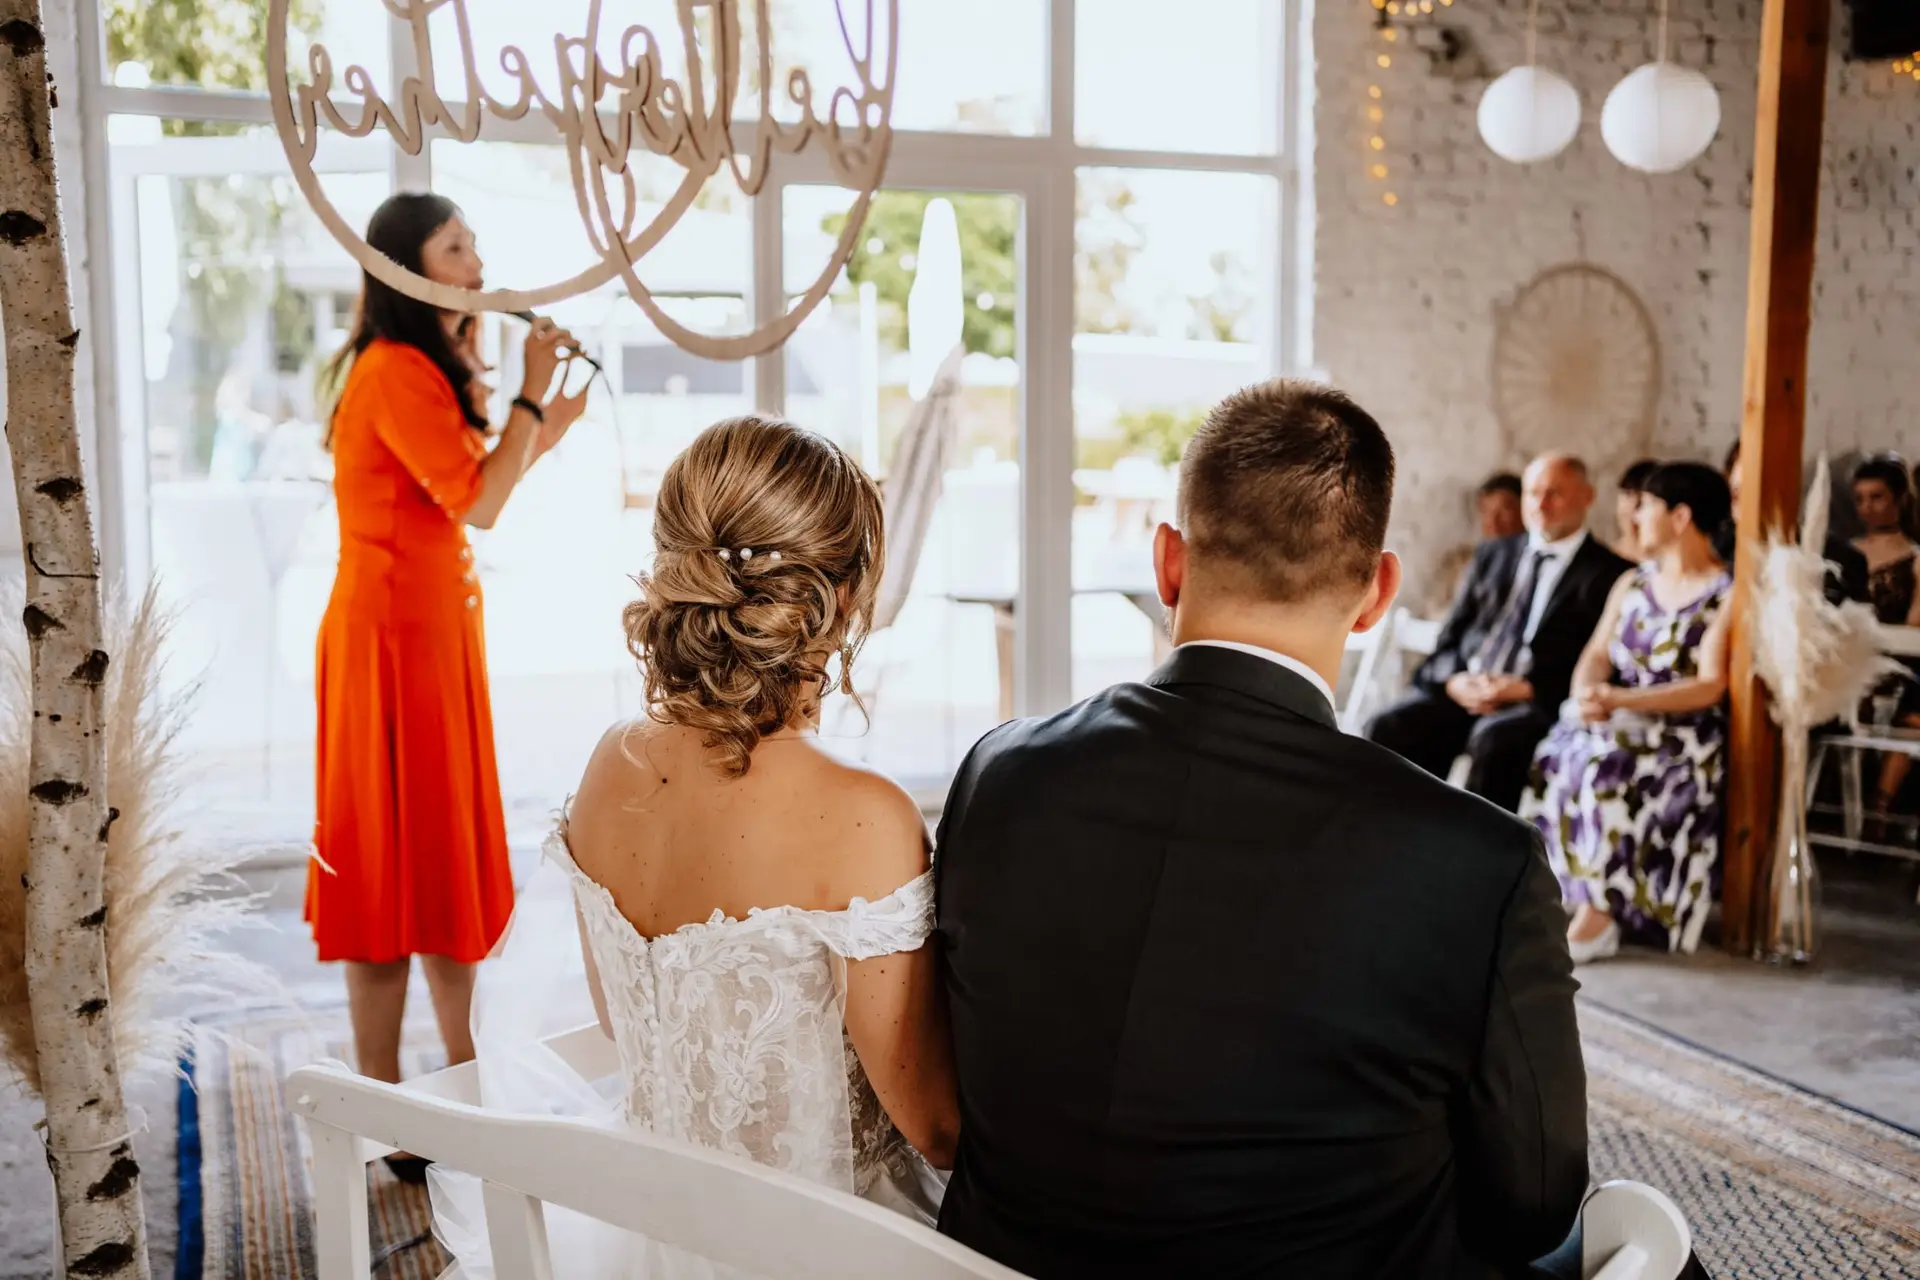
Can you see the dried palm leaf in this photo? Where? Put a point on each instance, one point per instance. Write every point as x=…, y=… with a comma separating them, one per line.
x=1818, y=659
x=168, y=899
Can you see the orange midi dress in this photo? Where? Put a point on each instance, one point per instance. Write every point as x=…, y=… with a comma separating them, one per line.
x=410, y=843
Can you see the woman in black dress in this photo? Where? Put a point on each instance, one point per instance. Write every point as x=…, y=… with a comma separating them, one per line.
x=1883, y=499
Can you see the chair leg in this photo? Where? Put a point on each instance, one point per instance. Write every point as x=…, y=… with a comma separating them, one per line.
x=1850, y=776
x=1816, y=761
x=341, y=1245
x=517, y=1232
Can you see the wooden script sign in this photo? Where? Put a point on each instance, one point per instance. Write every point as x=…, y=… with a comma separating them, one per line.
x=600, y=114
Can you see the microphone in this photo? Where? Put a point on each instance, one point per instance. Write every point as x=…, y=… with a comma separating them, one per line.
x=531, y=318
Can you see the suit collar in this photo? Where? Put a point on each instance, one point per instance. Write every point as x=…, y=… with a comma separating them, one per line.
x=1584, y=557
x=1253, y=675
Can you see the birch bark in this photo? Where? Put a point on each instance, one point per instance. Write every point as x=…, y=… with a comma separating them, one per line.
x=96, y=1178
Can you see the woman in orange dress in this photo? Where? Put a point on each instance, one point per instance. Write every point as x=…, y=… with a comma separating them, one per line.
x=410, y=846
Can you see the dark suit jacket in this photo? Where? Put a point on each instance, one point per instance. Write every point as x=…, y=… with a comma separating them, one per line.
x=1573, y=612
x=1237, y=995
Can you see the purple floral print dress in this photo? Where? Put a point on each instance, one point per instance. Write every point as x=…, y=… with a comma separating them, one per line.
x=1631, y=808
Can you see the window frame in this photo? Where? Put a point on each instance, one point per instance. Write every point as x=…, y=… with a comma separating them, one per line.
x=1041, y=169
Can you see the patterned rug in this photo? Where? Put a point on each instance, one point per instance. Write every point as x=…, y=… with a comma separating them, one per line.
x=247, y=1157
x=1775, y=1181
x=1778, y=1183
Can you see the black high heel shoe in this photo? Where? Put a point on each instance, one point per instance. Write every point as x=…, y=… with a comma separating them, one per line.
x=409, y=1169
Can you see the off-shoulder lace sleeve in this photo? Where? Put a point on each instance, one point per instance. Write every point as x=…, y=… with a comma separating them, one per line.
x=901, y=921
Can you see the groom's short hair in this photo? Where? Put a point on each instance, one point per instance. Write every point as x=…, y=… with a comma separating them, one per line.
x=1285, y=492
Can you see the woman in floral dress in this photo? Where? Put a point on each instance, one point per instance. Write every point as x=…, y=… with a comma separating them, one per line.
x=1626, y=789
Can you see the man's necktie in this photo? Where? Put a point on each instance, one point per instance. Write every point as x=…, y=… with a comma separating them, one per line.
x=1503, y=645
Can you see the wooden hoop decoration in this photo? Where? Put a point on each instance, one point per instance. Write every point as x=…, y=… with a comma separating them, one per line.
x=1576, y=364
x=658, y=113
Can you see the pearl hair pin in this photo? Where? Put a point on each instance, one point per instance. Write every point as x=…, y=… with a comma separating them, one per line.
x=746, y=554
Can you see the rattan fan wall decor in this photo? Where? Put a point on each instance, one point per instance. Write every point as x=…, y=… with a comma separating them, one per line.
x=1576, y=366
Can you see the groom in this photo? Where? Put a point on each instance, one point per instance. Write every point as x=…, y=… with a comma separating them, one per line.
x=1234, y=994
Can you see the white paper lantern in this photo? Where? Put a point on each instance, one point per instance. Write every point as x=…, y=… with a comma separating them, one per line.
x=1660, y=118
x=1529, y=114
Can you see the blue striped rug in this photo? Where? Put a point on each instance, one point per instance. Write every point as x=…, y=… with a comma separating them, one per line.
x=245, y=1193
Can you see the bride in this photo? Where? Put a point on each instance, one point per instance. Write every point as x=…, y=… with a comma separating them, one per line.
x=750, y=912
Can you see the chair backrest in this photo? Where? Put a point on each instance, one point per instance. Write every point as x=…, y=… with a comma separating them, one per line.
x=1630, y=1231
x=1361, y=693
x=1416, y=637
x=913, y=483
x=729, y=1210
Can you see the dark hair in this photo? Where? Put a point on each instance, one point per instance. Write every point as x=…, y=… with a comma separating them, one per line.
x=1501, y=482
x=1733, y=456
x=1697, y=487
x=1889, y=470
x=1634, y=478
x=1288, y=486
x=400, y=228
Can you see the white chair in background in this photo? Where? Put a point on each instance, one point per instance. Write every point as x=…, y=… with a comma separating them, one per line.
x=1364, y=693
x=717, y=1206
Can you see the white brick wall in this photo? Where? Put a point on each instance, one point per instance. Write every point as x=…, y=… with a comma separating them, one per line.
x=1406, y=297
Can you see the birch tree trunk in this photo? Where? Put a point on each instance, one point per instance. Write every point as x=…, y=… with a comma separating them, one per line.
x=90, y=1149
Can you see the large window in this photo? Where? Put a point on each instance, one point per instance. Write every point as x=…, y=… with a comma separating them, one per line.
x=1092, y=200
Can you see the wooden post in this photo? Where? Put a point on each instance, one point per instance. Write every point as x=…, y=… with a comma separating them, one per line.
x=1786, y=198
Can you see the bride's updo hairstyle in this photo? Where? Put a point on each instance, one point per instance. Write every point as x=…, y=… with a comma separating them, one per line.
x=768, y=549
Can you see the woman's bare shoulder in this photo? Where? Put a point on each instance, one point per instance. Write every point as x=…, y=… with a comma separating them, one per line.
x=876, y=829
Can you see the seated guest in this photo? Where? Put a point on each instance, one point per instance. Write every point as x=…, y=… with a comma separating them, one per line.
x=1498, y=505
x=1497, y=512
x=1626, y=510
x=1504, y=657
x=1883, y=499
x=1846, y=567
x=1626, y=789
x=1234, y=993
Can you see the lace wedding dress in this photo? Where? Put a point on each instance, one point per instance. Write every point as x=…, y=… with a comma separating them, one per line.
x=731, y=1035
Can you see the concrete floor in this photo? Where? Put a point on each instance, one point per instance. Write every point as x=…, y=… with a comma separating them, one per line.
x=1847, y=1027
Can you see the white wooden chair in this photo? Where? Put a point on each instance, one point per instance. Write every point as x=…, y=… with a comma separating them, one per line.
x=1364, y=693
x=1381, y=672
x=717, y=1206
x=1630, y=1231
x=726, y=1209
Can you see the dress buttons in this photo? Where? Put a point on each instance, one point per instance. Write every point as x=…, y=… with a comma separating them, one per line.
x=466, y=555
x=473, y=602
x=468, y=578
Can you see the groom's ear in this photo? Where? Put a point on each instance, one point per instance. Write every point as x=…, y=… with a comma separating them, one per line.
x=1380, y=593
x=1169, y=564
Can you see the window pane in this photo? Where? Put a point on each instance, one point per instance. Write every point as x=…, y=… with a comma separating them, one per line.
x=221, y=44
x=1174, y=278
x=978, y=67
x=941, y=673
x=1206, y=81
x=558, y=568
x=239, y=296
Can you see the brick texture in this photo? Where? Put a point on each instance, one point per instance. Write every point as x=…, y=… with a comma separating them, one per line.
x=1407, y=297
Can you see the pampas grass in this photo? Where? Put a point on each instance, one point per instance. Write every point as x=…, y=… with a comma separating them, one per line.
x=168, y=899
x=1818, y=659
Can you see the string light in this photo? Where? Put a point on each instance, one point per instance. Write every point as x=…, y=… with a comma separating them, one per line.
x=1389, y=17
x=1908, y=66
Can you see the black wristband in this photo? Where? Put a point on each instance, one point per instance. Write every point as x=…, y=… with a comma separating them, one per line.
x=539, y=414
